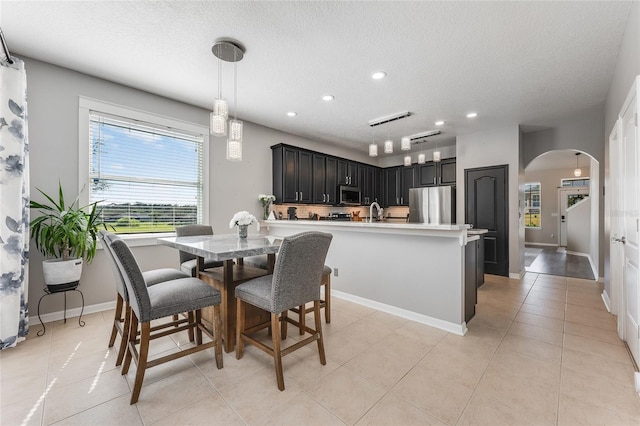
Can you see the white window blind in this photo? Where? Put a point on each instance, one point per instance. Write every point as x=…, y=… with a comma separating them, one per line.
x=146, y=177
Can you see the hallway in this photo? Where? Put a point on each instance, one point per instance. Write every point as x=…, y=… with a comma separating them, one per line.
x=555, y=261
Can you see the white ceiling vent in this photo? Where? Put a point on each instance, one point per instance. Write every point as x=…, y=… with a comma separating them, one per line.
x=420, y=137
x=382, y=120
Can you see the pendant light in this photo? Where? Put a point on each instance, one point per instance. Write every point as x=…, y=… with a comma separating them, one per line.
x=388, y=146
x=220, y=111
x=405, y=143
x=436, y=154
x=229, y=51
x=407, y=160
x=373, y=148
x=577, y=172
x=422, y=159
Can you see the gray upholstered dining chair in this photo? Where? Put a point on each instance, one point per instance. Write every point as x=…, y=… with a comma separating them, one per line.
x=294, y=282
x=260, y=261
x=188, y=261
x=161, y=300
x=151, y=277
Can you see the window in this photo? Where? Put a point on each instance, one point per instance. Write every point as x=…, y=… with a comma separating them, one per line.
x=532, y=205
x=146, y=172
x=583, y=182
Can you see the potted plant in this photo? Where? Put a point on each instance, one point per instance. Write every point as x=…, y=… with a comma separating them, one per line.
x=65, y=234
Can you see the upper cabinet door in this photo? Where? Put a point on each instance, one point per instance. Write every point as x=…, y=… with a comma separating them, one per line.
x=331, y=182
x=305, y=176
x=408, y=182
x=319, y=178
x=427, y=174
x=448, y=172
x=290, y=176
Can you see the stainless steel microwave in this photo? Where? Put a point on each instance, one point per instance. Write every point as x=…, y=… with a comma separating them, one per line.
x=349, y=196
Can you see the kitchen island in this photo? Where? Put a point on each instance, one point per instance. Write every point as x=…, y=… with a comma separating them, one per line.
x=412, y=270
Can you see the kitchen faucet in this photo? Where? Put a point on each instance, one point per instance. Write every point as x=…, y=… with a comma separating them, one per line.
x=377, y=206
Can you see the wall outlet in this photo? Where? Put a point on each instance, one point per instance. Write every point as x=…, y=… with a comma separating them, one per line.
x=335, y=272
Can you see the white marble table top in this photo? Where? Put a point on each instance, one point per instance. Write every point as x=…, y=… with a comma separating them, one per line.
x=224, y=246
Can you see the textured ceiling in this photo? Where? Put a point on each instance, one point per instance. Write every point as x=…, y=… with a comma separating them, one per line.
x=525, y=63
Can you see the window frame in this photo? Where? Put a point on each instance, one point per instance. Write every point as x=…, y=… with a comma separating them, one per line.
x=526, y=207
x=86, y=105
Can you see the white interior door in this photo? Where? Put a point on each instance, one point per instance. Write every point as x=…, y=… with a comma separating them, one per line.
x=631, y=223
x=616, y=250
x=568, y=197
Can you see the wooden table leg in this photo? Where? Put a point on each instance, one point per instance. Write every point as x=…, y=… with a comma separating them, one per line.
x=228, y=307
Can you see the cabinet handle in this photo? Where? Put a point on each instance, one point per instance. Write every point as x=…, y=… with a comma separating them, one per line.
x=434, y=180
x=296, y=195
x=300, y=195
x=324, y=198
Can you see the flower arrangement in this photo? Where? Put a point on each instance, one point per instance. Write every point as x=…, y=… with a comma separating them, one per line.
x=266, y=201
x=243, y=218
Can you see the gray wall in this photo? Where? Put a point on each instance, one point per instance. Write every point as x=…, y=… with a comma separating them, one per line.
x=53, y=135
x=583, y=131
x=550, y=181
x=627, y=67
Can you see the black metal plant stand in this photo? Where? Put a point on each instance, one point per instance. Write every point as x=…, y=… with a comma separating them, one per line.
x=63, y=288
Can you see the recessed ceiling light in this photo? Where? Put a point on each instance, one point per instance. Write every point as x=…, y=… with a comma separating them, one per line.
x=328, y=98
x=439, y=123
x=378, y=75
x=292, y=113
x=472, y=115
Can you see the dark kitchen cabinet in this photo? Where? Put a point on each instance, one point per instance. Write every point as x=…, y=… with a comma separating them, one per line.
x=480, y=261
x=408, y=182
x=434, y=174
x=347, y=173
x=470, y=284
x=292, y=174
x=324, y=179
x=368, y=177
x=392, y=186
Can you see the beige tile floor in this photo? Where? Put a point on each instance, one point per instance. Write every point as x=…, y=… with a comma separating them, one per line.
x=542, y=350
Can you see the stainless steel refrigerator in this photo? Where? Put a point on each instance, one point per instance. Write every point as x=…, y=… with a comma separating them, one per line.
x=435, y=205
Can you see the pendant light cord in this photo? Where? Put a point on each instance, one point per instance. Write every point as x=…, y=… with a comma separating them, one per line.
x=235, y=86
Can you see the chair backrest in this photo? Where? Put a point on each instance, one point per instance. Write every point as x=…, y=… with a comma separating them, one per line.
x=297, y=275
x=133, y=280
x=189, y=231
x=107, y=238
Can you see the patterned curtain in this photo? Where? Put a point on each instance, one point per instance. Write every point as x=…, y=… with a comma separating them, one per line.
x=14, y=204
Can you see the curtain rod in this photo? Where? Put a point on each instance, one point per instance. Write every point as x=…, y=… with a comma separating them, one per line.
x=5, y=47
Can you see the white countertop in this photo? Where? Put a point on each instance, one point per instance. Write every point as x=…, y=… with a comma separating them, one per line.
x=372, y=225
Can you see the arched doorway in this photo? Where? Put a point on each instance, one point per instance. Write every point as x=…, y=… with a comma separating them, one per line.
x=561, y=214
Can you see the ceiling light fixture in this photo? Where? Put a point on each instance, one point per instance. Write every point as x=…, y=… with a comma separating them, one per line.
x=388, y=146
x=407, y=160
x=229, y=51
x=378, y=75
x=472, y=115
x=577, y=172
x=292, y=113
x=440, y=123
x=422, y=159
x=328, y=98
x=389, y=118
x=405, y=143
x=423, y=135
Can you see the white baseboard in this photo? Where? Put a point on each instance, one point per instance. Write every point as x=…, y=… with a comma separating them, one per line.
x=540, y=244
x=71, y=313
x=606, y=300
x=516, y=275
x=459, y=329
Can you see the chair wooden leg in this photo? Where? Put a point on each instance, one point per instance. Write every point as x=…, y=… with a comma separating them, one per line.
x=277, y=354
x=145, y=334
x=198, y=330
x=316, y=316
x=133, y=333
x=239, y=328
x=116, y=319
x=191, y=322
x=217, y=334
x=302, y=309
x=283, y=325
x=327, y=298
x=124, y=340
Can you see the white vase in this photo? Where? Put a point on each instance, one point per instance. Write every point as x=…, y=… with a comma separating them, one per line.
x=242, y=231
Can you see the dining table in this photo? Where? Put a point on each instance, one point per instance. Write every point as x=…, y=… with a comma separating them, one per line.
x=230, y=250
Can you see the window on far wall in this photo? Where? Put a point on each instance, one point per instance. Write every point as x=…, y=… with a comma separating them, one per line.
x=532, y=205
x=583, y=182
x=146, y=175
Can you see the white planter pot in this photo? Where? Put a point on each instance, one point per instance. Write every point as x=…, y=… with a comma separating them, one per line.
x=58, y=271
